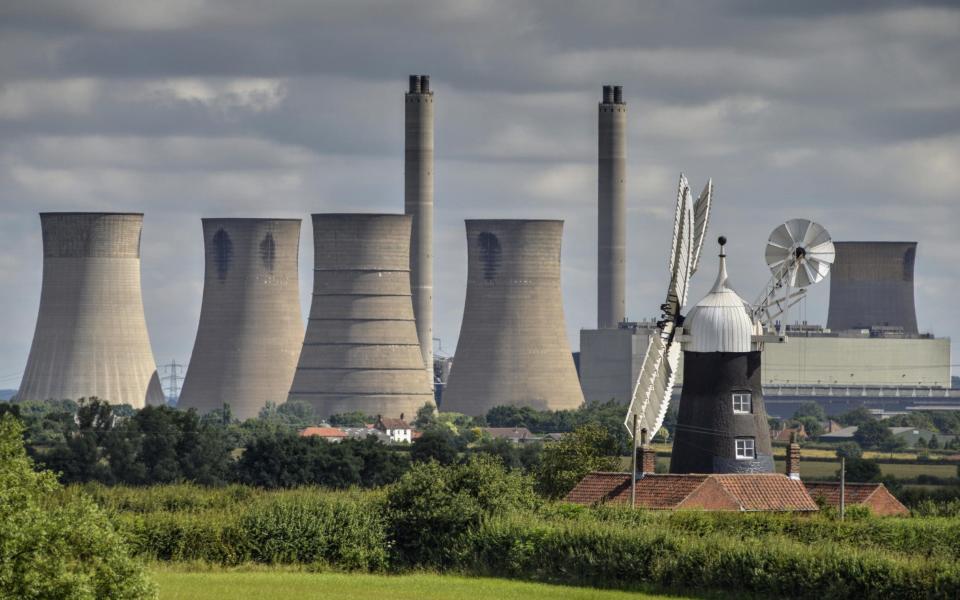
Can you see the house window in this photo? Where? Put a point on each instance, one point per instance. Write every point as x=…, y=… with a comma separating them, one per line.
x=745, y=449
x=742, y=403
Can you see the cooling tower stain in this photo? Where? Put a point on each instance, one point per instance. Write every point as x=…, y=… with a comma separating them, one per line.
x=268, y=251
x=223, y=249
x=489, y=254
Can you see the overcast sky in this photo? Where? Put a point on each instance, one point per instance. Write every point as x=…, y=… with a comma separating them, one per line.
x=847, y=113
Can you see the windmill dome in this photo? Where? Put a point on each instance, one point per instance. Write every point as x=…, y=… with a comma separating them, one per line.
x=720, y=322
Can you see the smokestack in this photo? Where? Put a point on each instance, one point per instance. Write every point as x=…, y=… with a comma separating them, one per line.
x=91, y=336
x=513, y=346
x=611, y=208
x=251, y=329
x=360, y=351
x=871, y=284
x=418, y=203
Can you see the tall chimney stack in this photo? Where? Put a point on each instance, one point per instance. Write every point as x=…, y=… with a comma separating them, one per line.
x=418, y=203
x=611, y=223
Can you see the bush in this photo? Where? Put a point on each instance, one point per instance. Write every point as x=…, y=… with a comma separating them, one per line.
x=613, y=556
x=55, y=545
x=432, y=510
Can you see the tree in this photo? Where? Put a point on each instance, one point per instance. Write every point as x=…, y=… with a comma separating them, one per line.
x=857, y=416
x=432, y=506
x=811, y=425
x=56, y=549
x=862, y=470
x=873, y=434
x=426, y=416
x=934, y=443
x=810, y=409
x=849, y=450
x=436, y=443
x=564, y=463
x=350, y=419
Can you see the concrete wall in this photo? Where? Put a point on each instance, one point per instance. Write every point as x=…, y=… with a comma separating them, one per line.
x=871, y=283
x=418, y=203
x=858, y=361
x=91, y=336
x=361, y=351
x=513, y=346
x=251, y=329
x=610, y=362
x=611, y=208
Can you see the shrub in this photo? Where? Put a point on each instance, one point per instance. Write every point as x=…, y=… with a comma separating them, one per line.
x=54, y=545
x=432, y=509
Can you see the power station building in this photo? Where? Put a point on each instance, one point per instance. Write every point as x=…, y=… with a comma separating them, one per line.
x=361, y=351
x=513, y=347
x=721, y=422
x=418, y=203
x=251, y=329
x=91, y=336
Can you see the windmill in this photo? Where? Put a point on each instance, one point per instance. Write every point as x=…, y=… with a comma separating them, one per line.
x=799, y=254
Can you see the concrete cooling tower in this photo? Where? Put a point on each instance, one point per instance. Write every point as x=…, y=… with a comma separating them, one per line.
x=91, y=337
x=361, y=351
x=871, y=285
x=513, y=346
x=418, y=203
x=251, y=329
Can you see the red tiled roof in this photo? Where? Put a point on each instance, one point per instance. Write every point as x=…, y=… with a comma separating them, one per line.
x=767, y=491
x=389, y=423
x=874, y=495
x=747, y=492
x=327, y=432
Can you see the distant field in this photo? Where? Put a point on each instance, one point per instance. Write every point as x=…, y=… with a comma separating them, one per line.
x=269, y=585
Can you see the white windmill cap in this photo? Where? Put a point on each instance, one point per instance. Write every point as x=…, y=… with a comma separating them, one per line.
x=720, y=322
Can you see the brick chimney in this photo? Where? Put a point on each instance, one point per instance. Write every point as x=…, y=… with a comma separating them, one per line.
x=793, y=458
x=647, y=459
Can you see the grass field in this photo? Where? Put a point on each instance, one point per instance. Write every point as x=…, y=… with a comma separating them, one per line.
x=269, y=585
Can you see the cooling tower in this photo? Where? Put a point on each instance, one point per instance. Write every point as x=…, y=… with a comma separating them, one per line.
x=361, y=351
x=418, y=203
x=251, y=329
x=871, y=284
x=91, y=337
x=513, y=346
x=611, y=222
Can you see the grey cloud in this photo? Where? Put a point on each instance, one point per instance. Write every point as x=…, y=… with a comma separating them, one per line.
x=840, y=112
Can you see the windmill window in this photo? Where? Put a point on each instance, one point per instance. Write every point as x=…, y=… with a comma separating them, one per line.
x=742, y=403
x=745, y=449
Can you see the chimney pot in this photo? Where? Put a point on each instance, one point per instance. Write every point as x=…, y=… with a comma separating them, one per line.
x=424, y=84
x=608, y=94
x=414, y=84
x=618, y=94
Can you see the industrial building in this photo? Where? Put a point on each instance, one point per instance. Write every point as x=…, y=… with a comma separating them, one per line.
x=361, y=351
x=91, y=335
x=513, y=347
x=884, y=364
x=418, y=203
x=251, y=329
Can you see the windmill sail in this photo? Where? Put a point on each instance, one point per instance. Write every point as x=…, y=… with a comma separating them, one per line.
x=701, y=218
x=651, y=395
